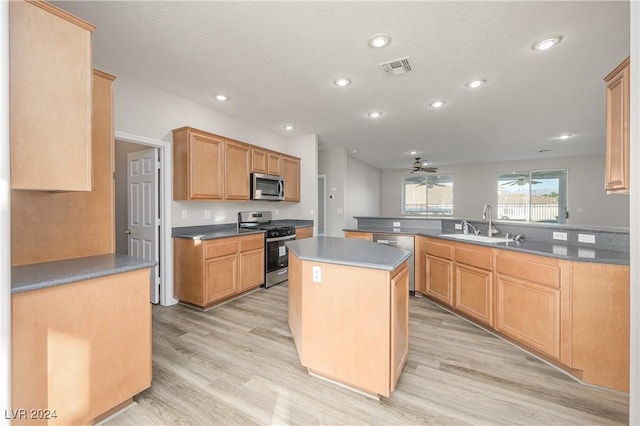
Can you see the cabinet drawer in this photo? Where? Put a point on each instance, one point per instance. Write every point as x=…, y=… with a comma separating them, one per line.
x=439, y=250
x=476, y=256
x=531, y=268
x=252, y=243
x=220, y=248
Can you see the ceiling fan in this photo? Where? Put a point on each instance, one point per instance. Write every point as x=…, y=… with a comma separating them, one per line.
x=419, y=167
x=520, y=181
x=430, y=184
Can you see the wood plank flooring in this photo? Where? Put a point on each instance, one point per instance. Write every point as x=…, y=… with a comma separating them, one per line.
x=237, y=364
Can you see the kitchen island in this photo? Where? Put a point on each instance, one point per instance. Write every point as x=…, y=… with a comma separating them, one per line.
x=349, y=311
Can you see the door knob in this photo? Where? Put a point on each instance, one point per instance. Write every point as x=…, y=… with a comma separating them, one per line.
x=128, y=232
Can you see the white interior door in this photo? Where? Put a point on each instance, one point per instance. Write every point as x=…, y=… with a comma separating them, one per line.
x=143, y=223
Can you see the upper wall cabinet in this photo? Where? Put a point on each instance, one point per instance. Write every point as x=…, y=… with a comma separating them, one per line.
x=50, y=95
x=617, y=133
x=236, y=166
x=198, y=169
x=291, y=174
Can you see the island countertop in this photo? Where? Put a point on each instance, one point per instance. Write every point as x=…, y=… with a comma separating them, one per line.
x=349, y=252
x=49, y=274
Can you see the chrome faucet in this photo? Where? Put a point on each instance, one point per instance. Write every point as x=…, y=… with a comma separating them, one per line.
x=486, y=214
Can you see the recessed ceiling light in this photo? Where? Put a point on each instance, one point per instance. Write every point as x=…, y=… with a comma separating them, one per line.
x=288, y=127
x=378, y=41
x=547, y=43
x=475, y=84
x=342, y=82
x=375, y=114
x=564, y=137
x=437, y=104
x=413, y=152
x=220, y=97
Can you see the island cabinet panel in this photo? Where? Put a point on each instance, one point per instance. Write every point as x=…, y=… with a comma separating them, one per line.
x=361, y=235
x=211, y=271
x=294, y=289
x=198, y=169
x=50, y=97
x=306, y=232
x=617, y=130
x=399, y=323
x=236, y=166
x=601, y=324
x=474, y=282
x=81, y=349
x=533, y=302
x=291, y=174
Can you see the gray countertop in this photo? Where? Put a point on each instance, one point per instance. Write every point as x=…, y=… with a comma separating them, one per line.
x=212, y=232
x=557, y=250
x=49, y=274
x=349, y=252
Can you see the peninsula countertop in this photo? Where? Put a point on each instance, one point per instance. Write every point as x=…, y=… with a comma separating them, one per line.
x=49, y=274
x=349, y=252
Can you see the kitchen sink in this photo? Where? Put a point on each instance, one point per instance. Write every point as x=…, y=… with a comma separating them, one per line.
x=477, y=238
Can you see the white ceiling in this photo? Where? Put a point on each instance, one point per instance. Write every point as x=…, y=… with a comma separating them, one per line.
x=277, y=62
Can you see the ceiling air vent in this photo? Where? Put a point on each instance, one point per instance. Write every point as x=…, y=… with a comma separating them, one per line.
x=397, y=66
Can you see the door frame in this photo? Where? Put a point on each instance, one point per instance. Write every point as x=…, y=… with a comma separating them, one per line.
x=323, y=177
x=165, y=190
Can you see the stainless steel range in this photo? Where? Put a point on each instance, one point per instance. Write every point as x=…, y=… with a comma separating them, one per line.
x=275, y=251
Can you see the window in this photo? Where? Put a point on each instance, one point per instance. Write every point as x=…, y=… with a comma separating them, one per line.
x=429, y=195
x=533, y=196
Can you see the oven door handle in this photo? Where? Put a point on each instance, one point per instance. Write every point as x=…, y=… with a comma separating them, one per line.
x=288, y=237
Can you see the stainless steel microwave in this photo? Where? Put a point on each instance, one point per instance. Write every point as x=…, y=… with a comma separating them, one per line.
x=267, y=187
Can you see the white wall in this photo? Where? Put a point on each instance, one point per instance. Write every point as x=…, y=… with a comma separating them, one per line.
x=364, y=191
x=5, y=225
x=475, y=184
x=144, y=110
x=332, y=163
x=634, y=394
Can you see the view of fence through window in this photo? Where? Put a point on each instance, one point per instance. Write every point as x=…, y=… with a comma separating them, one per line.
x=430, y=195
x=533, y=196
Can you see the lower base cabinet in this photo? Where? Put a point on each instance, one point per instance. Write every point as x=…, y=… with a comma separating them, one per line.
x=81, y=349
x=474, y=293
x=211, y=271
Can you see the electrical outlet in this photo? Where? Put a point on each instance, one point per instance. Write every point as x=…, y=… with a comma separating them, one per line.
x=458, y=226
x=560, y=236
x=207, y=214
x=185, y=214
x=316, y=274
x=396, y=224
x=587, y=238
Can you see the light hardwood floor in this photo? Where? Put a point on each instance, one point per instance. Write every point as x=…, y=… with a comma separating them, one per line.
x=237, y=364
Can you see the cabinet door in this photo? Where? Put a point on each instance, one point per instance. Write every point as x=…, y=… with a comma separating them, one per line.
x=258, y=161
x=291, y=174
x=399, y=323
x=439, y=277
x=529, y=313
x=474, y=292
x=236, y=185
x=221, y=277
x=617, y=130
x=251, y=269
x=50, y=95
x=274, y=164
x=205, y=167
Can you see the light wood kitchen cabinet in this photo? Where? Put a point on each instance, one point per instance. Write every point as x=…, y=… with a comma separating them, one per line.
x=306, y=232
x=198, y=168
x=361, y=235
x=420, y=282
x=236, y=170
x=78, y=224
x=617, y=130
x=533, y=302
x=291, y=174
x=258, y=160
x=474, y=282
x=81, y=349
x=274, y=164
x=210, y=271
x=50, y=98
x=439, y=271
x=399, y=323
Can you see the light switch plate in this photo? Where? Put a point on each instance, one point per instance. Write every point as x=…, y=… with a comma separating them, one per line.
x=207, y=214
x=185, y=214
x=560, y=236
x=396, y=224
x=316, y=273
x=587, y=238
x=458, y=226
